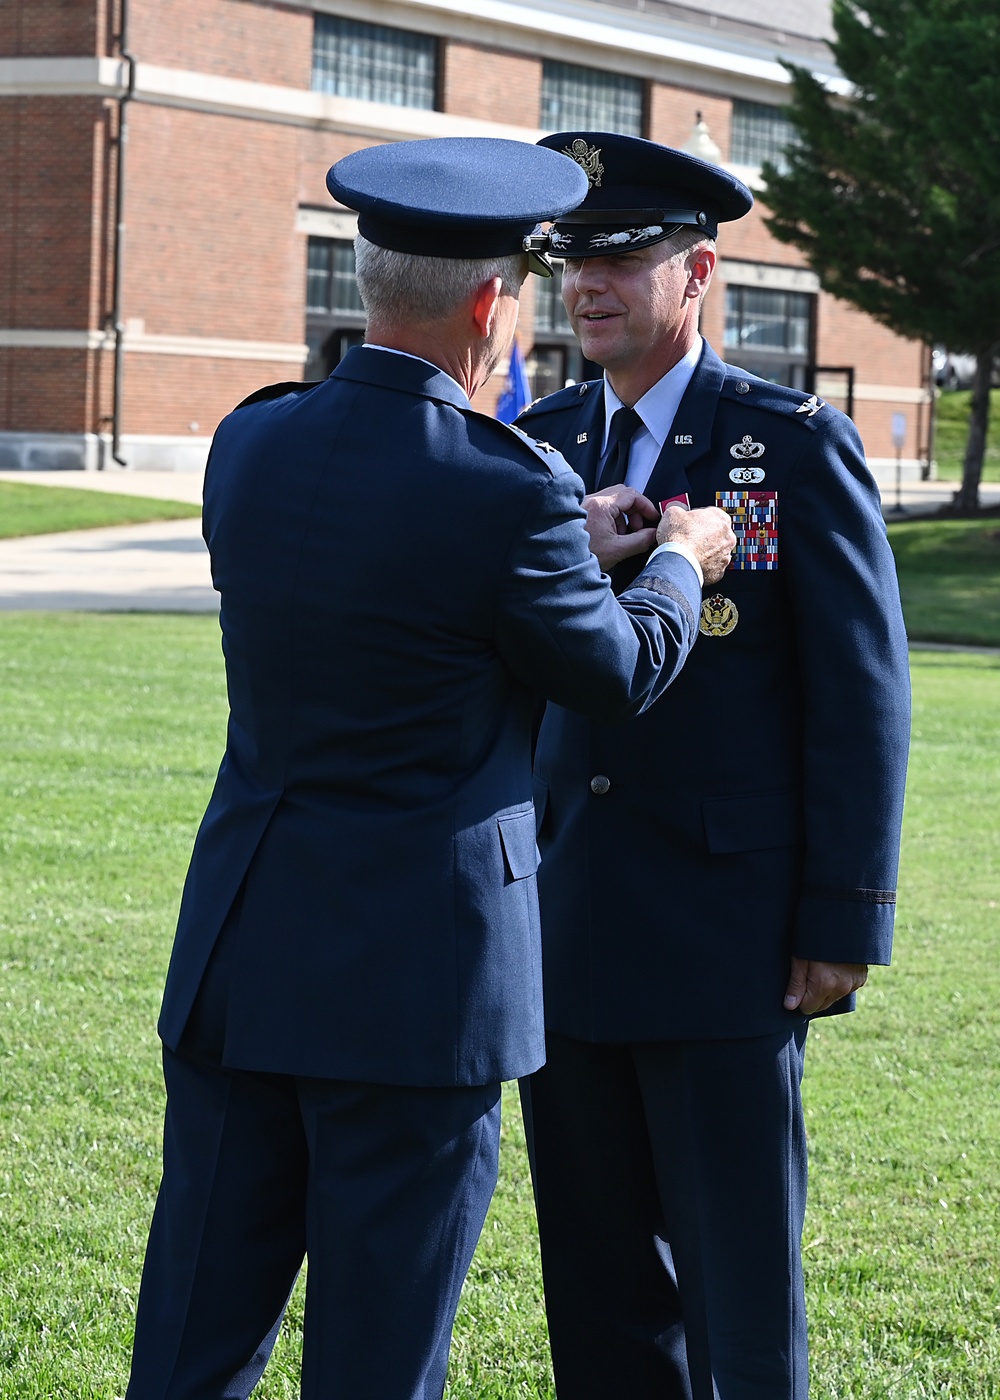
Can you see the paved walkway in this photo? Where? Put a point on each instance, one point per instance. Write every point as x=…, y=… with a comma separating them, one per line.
x=163, y=566
x=159, y=567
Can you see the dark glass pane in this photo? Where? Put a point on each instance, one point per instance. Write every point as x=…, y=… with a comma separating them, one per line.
x=550, y=314
x=318, y=275
x=769, y=332
x=549, y=369
x=574, y=97
x=374, y=63
x=346, y=296
x=760, y=132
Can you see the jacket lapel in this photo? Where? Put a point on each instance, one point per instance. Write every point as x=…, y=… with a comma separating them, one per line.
x=690, y=436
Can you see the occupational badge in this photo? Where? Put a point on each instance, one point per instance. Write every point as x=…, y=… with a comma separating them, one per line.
x=747, y=476
x=589, y=157
x=754, y=516
x=624, y=235
x=719, y=615
x=746, y=449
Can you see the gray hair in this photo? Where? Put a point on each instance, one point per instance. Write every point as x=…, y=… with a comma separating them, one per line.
x=685, y=239
x=409, y=287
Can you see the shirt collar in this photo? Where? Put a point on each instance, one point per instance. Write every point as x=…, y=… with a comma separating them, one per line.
x=658, y=405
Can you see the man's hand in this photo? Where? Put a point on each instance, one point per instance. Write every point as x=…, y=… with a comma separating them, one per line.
x=707, y=532
x=616, y=523
x=813, y=986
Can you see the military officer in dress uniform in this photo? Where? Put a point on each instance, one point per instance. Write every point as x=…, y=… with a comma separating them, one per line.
x=765, y=789
x=357, y=961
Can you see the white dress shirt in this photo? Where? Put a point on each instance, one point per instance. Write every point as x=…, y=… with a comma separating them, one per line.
x=657, y=408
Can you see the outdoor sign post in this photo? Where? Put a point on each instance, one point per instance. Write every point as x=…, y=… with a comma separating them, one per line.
x=898, y=438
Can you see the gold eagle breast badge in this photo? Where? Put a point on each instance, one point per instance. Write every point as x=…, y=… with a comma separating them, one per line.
x=589, y=157
x=719, y=615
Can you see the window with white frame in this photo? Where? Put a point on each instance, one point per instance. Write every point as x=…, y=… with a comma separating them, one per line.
x=575, y=97
x=760, y=132
x=770, y=333
x=374, y=63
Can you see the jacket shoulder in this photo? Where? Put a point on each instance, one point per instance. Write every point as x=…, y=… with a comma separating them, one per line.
x=794, y=405
x=279, y=391
x=512, y=441
x=563, y=399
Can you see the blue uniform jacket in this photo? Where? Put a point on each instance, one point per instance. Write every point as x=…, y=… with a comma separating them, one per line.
x=400, y=578
x=755, y=810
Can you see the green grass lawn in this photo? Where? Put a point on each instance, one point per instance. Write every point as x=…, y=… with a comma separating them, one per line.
x=40, y=510
x=111, y=728
x=949, y=579
x=952, y=428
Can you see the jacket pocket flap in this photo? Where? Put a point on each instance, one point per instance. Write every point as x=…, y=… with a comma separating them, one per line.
x=517, y=836
x=751, y=822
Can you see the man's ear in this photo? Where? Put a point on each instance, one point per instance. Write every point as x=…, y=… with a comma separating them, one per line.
x=484, y=308
x=701, y=265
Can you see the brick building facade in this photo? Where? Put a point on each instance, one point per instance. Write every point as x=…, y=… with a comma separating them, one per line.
x=147, y=285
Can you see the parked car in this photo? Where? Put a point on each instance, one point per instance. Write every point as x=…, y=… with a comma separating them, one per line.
x=953, y=371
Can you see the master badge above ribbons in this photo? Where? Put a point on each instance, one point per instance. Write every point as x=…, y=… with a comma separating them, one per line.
x=755, y=524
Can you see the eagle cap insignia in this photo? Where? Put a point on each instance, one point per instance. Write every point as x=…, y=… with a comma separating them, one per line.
x=719, y=615
x=589, y=157
x=747, y=448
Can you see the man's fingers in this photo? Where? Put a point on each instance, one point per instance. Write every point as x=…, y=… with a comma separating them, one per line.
x=641, y=509
x=815, y=986
x=638, y=541
x=796, y=988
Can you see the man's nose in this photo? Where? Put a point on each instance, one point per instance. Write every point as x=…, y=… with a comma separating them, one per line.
x=588, y=277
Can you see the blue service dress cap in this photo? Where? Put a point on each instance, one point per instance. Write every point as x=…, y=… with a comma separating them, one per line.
x=639, y=193
x=458, y=196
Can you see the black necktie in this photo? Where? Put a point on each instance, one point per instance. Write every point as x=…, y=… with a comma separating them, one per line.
x=625, y=423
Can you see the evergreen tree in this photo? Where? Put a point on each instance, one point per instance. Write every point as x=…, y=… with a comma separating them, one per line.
x=893, y=193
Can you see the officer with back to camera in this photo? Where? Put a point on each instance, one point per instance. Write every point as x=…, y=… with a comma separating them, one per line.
x=764, y=791
x=357, y=961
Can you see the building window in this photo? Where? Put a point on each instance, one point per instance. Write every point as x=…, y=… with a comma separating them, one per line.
x=351, y=59
x=760, y=132
x=556, y=358
x=587, y=98
x=770, y=333
x=335, y=316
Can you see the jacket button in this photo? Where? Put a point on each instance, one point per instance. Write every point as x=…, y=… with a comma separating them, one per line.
x=599, y=785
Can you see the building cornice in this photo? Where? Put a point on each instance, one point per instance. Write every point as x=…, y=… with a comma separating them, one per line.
x=632, y=41
x=236, y=97
x=139, y=343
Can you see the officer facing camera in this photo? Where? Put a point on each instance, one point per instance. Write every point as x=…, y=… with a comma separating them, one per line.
x=764, y=792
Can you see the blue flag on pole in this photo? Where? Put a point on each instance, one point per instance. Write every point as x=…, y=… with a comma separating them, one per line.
x=517, y=392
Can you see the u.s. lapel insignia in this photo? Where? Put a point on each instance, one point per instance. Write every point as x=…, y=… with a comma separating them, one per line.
x=589, y=157
x=812, y=405
x=580, y=437
x=746, y=449
x=719, y=615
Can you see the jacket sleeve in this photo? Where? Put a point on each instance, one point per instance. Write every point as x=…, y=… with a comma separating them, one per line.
x=854, y=673
x=563, y=633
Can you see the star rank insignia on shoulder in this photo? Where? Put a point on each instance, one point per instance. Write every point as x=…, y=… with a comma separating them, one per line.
x=811, y=406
